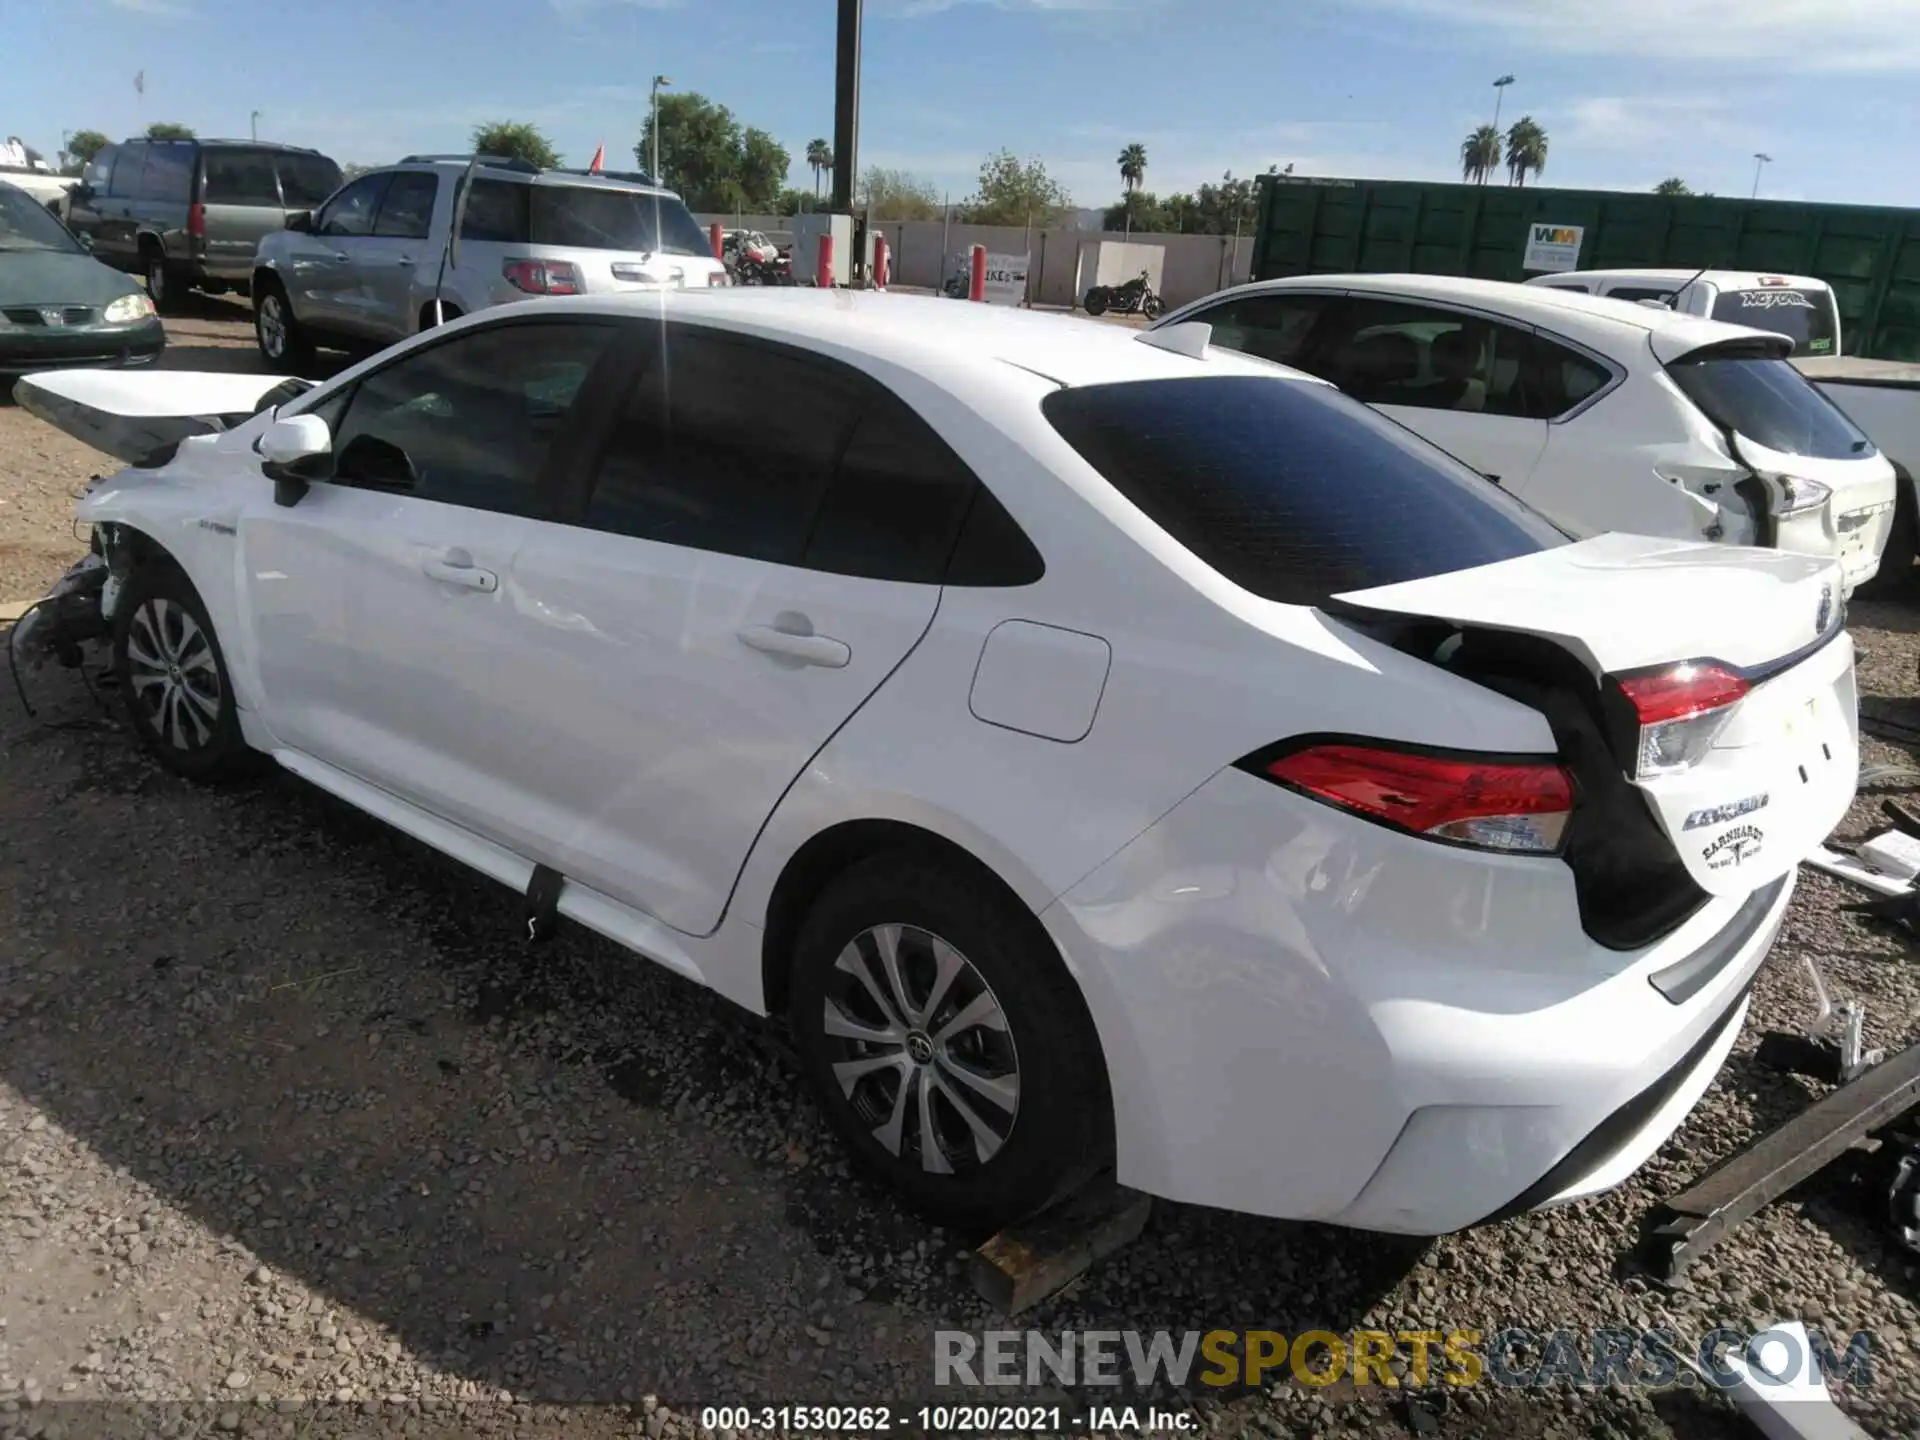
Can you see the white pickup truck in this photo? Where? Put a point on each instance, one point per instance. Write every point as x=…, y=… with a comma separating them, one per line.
x=1882, y=397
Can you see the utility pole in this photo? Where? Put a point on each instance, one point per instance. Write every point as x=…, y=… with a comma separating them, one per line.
x=253, y=125
x=1499, y=94
x=1758, y=161
x=654, y=169
x=846, y=105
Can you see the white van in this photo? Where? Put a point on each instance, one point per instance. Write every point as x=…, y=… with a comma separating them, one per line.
x=1797, y=306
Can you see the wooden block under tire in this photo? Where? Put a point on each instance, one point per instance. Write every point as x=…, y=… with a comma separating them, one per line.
x=1038, y=1257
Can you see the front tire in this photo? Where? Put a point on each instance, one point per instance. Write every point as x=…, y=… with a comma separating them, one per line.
x=947, y=1044
x=283, y=341
x=1152, y=307
x=173, y=676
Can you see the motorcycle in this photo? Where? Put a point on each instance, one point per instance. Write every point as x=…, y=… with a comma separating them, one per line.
x=1136, y=297
x=752, y=259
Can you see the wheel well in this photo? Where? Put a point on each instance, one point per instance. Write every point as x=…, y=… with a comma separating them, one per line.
x=825, y=857
x=264, y=279
x=150, y=244
x=139, y=547
x=448, y=312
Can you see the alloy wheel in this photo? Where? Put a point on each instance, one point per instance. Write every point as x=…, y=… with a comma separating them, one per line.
x=921, y=1049
x=175, y=678
x=273, y=326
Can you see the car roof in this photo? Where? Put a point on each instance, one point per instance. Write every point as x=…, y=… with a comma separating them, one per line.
x=1732, y=279
x=1594, y=320
x=924, y=334
x=530, y=176
x=215, y=144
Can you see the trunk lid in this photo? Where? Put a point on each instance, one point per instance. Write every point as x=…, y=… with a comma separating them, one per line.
x=130, y=414
x=1781, y=771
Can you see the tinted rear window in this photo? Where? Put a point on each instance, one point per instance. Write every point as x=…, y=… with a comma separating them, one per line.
x=605, y=219
x=1770, y=402
x=1290, y=490
x=239, y=177
x=306, y=180
x=1805, y=316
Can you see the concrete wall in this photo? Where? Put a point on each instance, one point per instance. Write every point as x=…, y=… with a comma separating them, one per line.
x=1192, y=265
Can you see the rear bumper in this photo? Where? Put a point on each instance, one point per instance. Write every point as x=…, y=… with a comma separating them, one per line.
x=23, y=351
x=1309, y=1017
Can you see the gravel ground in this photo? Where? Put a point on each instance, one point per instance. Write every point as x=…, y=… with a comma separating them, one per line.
x=296, y=1137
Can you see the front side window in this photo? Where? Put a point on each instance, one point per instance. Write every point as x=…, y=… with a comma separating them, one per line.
x=1271, y=327
x=1291, y=490
x=408, y=206
x=1806, y=317
x=724, y=445
x=169, y=173
x=596, y=217
x=98, y=176
x=240, y=177
x=469, y=421
x=351, y=212
x=129, y=161
x=1771, y=403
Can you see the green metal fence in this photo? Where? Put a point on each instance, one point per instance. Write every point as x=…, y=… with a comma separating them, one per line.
x=1870, y=257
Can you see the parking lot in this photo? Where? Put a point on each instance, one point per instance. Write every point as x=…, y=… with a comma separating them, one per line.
x=297, y=1135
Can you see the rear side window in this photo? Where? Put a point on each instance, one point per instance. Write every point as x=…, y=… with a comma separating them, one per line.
x=408, y=206
x=896, y=502
x=306, y=180
x=724, y=446
x=602, y=218
x=1806, y=317
x=497, y=210
x=1637, y=293
x=169, y=173
x=1770, y=403
x=1290, y=490
x=240, y=177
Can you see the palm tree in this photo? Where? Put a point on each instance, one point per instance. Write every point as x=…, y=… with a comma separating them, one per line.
x=1133, y=169
x=1673, y=185
x=1480, y=155
x=819, y=158
x=1526, y=150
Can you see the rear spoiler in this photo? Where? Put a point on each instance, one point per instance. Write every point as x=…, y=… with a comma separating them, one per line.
x=1759, y=345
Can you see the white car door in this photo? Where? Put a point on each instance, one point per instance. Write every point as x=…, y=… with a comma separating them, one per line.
x=381, y=602
x=761, y=547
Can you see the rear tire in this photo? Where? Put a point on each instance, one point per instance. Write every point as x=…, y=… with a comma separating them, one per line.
x=283, y=341
x=977, y=1122
x=1097, y=300
x=173, y=677
x=164, y=286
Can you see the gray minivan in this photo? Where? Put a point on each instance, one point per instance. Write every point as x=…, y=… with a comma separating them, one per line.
x=188, y=214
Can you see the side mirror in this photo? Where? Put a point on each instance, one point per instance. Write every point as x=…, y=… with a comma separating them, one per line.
x=301, y=220
x=286, y=443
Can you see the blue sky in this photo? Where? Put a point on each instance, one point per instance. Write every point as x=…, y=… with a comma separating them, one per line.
x=1629, y=91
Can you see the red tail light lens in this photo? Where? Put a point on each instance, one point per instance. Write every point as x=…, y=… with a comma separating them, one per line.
x=197, y=221
x=542, y=277
x=1518, y=806
x=1681, y=712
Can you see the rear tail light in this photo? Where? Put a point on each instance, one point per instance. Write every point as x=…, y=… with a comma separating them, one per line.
x=1796, y=495
x=197, y=221
x=542, y=277
x=1679, y=712
x=1518, y=806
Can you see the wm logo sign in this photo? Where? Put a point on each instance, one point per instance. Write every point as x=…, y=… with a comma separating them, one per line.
x=1555, y=235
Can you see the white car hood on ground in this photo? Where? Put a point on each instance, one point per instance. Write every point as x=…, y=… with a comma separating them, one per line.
x=1621, y=602
x=129, y=414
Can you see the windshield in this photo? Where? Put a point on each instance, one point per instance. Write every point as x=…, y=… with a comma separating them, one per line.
x=306, y=180
x=1292, y=490
x=26, y=224
x=602, y=218
x=1807, y=317
x=1770, y=403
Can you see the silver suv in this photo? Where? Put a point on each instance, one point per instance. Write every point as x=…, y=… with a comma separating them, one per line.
x=366, y=267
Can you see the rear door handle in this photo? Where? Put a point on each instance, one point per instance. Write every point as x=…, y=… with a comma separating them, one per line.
x=340, y=255
x=405, y=260
x=821, y=650
x=456, y=567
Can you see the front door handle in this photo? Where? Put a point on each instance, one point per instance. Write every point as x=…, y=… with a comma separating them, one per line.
x=340, y=255
x=456, y=567
x=405, y=260
x=808, y=649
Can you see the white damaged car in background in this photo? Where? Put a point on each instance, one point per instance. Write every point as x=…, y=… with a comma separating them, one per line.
x=1096, y=749
x=1601, y=414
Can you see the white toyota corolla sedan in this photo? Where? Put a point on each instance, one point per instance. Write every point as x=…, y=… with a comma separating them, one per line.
x=1098, y=751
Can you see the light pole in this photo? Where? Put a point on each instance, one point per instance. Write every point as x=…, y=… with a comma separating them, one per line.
x=658, y=81
x=1499, y=94
x=1758, y=161
x=253, y=125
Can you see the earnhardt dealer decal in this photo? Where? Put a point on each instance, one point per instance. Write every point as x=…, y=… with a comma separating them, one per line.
x=1738, y=845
